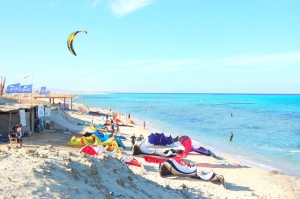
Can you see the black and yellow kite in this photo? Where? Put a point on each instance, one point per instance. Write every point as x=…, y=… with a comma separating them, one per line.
x=71, y=38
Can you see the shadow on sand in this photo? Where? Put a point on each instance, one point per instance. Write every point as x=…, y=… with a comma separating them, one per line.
x=234, y=187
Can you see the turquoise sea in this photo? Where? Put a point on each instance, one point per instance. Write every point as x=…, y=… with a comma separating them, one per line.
x=266, y=128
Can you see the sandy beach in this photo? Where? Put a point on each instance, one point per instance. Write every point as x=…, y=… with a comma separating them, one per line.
x=45, y=167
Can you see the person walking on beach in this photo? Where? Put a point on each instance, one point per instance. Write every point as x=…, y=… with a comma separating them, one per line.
x=230, y=136
x=144, y=125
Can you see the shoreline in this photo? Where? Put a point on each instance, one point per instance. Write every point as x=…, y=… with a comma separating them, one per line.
x=251, y=162
x=254, y=162
x=241, y=182
x=250, y=174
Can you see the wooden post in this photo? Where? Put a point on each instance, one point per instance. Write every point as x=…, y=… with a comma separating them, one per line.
x=9, y=122
x=2, y=85
x=32, y=120
x=71, y=103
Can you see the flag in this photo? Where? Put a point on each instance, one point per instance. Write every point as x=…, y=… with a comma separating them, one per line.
x=47, y=94
x=26, y=88
x=43, y=90
x=13, y=88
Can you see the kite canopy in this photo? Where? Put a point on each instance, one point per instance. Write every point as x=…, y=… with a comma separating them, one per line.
x=173, y=167
x=186, y=143
x=71, y=38
x=204, y=151
x=160, y=139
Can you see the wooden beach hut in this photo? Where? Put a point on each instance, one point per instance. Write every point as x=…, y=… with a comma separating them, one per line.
x=12, y=113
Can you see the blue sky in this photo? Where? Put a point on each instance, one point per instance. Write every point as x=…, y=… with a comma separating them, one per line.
x=153, y=45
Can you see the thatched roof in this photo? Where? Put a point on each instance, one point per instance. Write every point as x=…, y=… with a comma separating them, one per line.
x=8, y=107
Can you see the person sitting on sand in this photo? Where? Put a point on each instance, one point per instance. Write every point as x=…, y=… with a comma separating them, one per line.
x=107, y=122
x=140, y=138
x=19, y=134
x=112, y=128
x=133, y=138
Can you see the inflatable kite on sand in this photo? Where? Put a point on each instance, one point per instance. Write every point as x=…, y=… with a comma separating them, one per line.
x=160, y=139
x=90, y=140
x=110, y=145
x=90, y=150
x=173, y=167
x=141, y=148
x=131, y=161
x=204, y=151
x=176, y=166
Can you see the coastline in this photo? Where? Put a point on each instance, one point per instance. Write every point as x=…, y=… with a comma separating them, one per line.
x=242, y=182
x=245, y=160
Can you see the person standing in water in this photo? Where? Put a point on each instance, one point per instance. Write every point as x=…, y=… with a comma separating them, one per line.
x=230, y=136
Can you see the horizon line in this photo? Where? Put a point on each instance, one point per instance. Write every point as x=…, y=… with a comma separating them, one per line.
x=213, y=93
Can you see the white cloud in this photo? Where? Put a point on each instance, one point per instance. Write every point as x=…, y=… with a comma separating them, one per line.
x=54, y=4
x=252, y=59
x=124, y=7
x=121, y=7
x=250, y=62
x=93, y=3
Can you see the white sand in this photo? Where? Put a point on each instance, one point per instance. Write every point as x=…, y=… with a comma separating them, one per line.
x=46, y=172
x=40, y=171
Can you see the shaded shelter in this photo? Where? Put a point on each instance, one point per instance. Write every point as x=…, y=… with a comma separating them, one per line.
x=52, y=99
x=10, y=115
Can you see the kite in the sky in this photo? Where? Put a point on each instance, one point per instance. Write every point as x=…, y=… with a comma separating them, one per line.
x=71, y=38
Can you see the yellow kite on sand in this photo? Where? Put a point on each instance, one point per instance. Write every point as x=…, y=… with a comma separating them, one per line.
x=91, y=140
x=110, y=145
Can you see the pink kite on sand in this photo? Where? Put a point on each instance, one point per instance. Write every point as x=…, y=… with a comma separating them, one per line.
x=187, y=144
x=97, y=150
x=88, y=149
x=131, y=161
